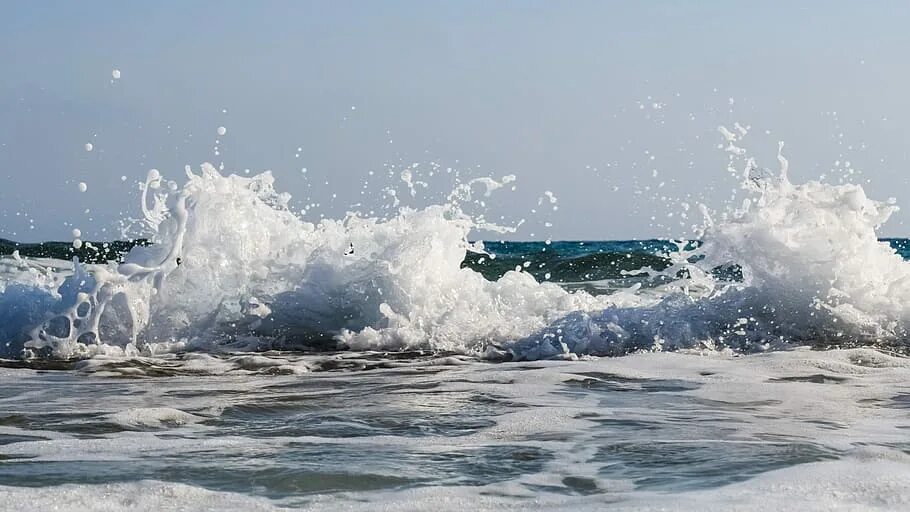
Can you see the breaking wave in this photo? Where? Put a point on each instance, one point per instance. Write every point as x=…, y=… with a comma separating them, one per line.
x=230, y=266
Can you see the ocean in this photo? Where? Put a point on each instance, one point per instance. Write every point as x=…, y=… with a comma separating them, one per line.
x=241, y=357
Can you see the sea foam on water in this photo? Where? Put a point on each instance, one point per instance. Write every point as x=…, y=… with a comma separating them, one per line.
x=813, y=272
x=230, y=261
x=227, y=250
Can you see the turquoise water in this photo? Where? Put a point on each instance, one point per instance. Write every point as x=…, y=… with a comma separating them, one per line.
x=565, y=261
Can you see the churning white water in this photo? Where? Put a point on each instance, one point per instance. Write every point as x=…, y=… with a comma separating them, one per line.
x=247, y=358
x=229, y=262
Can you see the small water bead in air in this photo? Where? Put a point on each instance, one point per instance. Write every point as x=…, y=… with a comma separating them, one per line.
x=77, y=244
x=89, y=146
x=115, y=74
x=82, y=186
x=77, y=233
x=222, y=130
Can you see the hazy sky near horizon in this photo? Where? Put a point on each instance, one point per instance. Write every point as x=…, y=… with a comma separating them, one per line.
x=611, y=105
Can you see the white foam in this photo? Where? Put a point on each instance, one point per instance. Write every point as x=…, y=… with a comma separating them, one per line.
x=759, y=400
x=138, y=496
x=813, y=269
x=153, y=417
x=821, y=486
x=231, y=260
x=248, y=264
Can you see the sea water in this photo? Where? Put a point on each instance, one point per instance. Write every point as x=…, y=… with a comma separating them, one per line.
x=243, y=357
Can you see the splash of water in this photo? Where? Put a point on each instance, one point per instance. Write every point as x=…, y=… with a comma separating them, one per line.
x=812, y=259
x=231, y=264
x=813, y=271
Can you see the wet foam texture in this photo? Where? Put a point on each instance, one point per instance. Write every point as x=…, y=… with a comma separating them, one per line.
x=813, y=271
x=230, y=263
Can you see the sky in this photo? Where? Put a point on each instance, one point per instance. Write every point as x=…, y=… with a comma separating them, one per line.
x=612, y=106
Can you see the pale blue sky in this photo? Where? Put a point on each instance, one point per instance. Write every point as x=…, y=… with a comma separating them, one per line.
x=548, y=91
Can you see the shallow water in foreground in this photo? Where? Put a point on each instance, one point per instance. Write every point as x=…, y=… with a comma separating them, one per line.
x=125, y=386
x=800, y=429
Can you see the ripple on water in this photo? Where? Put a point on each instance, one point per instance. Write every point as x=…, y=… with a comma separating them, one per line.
x=676, y=465
x=296, y=468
